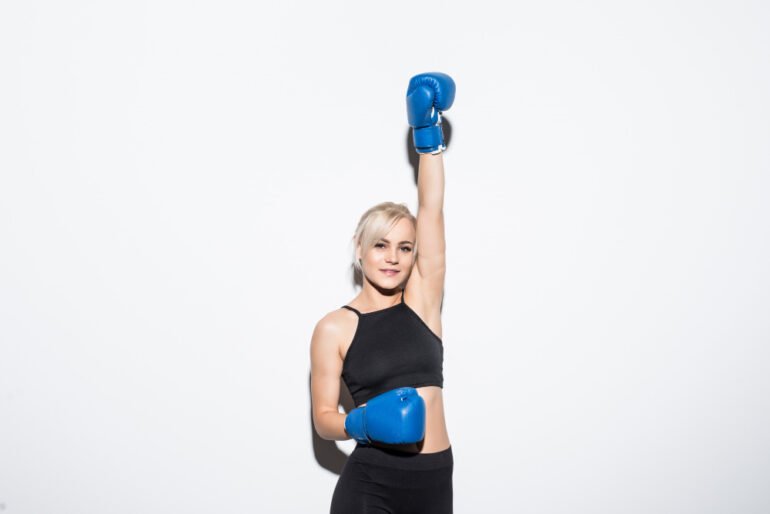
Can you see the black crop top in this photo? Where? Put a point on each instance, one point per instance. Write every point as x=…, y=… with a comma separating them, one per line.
x=392, y=347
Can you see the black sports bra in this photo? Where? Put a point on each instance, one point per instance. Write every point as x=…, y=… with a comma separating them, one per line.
x=392, y=347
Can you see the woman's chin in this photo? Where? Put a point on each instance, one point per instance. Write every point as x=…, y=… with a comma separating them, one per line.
x=392, y=284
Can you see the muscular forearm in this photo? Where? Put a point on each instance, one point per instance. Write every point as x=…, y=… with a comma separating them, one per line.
x=331, y=426
x=430, y=182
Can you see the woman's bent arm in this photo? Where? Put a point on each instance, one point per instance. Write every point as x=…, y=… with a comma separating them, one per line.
x=325, y=372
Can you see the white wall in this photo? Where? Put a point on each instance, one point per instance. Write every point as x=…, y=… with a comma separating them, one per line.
x=179, y=182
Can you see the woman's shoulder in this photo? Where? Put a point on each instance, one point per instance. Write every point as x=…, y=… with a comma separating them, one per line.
x=337, y=320
x=333, y=328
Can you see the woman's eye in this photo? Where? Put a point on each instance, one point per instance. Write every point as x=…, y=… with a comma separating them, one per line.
x=406, y=248
x=378, y=245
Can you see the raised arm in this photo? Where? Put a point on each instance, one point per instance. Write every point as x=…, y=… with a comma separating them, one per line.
x=431, y=244
x=428, y=95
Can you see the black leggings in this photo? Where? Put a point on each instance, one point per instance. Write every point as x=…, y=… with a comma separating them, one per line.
x=377, y=480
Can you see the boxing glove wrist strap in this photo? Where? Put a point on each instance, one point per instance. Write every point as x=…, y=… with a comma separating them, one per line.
x=355, y=425
x=429, y=139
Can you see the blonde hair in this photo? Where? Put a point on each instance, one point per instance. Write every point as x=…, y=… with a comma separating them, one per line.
x=375, y=223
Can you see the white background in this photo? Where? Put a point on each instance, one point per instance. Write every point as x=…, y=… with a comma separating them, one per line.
x=179, y=182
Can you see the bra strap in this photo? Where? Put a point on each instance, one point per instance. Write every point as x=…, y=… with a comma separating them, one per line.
x=352, y=309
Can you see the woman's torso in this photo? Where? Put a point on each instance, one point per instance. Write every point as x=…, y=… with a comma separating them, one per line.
x=436, y=435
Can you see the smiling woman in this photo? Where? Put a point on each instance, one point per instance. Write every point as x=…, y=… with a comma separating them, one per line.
x=377, y=223
x=387, y=344
x=385, y=219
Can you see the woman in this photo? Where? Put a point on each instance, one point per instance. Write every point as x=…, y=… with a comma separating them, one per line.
x=386, y=344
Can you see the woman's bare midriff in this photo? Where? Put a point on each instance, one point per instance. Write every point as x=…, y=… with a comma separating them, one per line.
x=436, y=436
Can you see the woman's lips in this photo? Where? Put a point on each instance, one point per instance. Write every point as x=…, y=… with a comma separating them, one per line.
x=389, y=273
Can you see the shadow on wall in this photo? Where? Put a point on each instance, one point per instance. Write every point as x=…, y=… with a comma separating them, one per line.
x=327, y=453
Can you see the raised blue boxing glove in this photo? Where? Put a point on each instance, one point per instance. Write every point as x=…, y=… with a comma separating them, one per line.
x=393, y=417
x=428, y=95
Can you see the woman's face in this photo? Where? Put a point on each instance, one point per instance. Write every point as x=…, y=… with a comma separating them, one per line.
x=390, y=261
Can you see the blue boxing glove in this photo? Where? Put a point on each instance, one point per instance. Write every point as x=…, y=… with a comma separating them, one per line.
x=394, y=417
x=428, y=95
